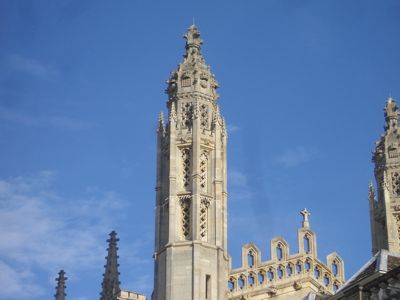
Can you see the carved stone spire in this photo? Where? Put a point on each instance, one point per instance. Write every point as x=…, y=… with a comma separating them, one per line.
x=391, y=113
x=60, y=289
x=110, y=284
x=193, y=74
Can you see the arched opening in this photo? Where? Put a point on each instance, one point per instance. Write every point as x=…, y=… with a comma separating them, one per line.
x=317, y=273
x=250, y=259
x=326, y=280
x=250, y=280
x=307, y=266
x=306, y=242
x=335, y=268
x=231, y=284
x=335, y=287
x=270, y=275
x=261, y=277
x=298, y=267
x=279, y=272
x=289, y=270
x=279, y=252
x=241, y=282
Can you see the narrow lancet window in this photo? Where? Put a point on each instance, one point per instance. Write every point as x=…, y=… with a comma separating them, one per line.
x=306, y=242
x=250, y=259
x=279, y=252
x=208, y=287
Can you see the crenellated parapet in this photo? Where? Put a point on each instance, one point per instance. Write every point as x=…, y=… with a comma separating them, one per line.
x=286, y=273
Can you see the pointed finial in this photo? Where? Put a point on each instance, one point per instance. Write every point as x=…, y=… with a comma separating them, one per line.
x=60, y=289
x=161, y=124
x=192, y=37
x=305, y=214
x=391, y=113
x=110, y=284
x=371, y=191
x=194, y=24
x=172, y=113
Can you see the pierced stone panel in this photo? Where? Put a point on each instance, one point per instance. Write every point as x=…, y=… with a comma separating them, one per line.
x=205, y=203
x=185, y=80
x=204, y=117
x=203, y=170
x=396, y=183
x=186, y=167
x=397, y=216
x=187, y=114
x=185, y=203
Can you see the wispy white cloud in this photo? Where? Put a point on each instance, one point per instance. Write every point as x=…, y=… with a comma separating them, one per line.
x=232, y=128
x=17, y=283
x=47, y=232
x=296, y=156
x=31, y=67
x=239, y=188
x=62, y=122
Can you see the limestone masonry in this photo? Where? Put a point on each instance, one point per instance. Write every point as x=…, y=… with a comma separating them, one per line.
x=191, y=259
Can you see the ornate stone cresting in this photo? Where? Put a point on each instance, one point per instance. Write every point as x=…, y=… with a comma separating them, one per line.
x=110, y=284
x=60, y=289
x=286, y=275
x=385, y=211
x=191, y=260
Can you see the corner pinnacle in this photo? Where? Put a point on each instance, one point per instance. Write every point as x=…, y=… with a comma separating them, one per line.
x=60, y=289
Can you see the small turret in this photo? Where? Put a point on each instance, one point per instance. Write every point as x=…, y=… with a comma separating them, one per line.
x=110, y=284
x=391, y=113
x=60, y=289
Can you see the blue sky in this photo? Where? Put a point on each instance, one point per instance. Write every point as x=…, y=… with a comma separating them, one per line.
x=303, y=85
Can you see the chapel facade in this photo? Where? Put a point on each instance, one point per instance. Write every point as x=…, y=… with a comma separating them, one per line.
x=191, y=259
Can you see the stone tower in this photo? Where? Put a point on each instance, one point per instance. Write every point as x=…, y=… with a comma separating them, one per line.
x=385, y=210
x=191, y=259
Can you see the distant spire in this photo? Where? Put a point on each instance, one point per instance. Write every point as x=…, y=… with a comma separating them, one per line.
x=110, y=285
x=391, y=113
x=305, y=214
x=60, y=289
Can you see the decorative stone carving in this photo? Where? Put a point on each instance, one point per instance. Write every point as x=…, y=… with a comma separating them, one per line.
x=186, y=167
x=185, y=203
x=204, y=117
x=187, y=114
x=297, y=285
x=396, y=183
x=204, y=170
x=204, y=204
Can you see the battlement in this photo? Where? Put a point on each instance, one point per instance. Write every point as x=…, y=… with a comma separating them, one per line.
x=286, y=273
x=126, y=295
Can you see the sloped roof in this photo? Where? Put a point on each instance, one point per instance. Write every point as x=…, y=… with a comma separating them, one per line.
x=382, y=262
